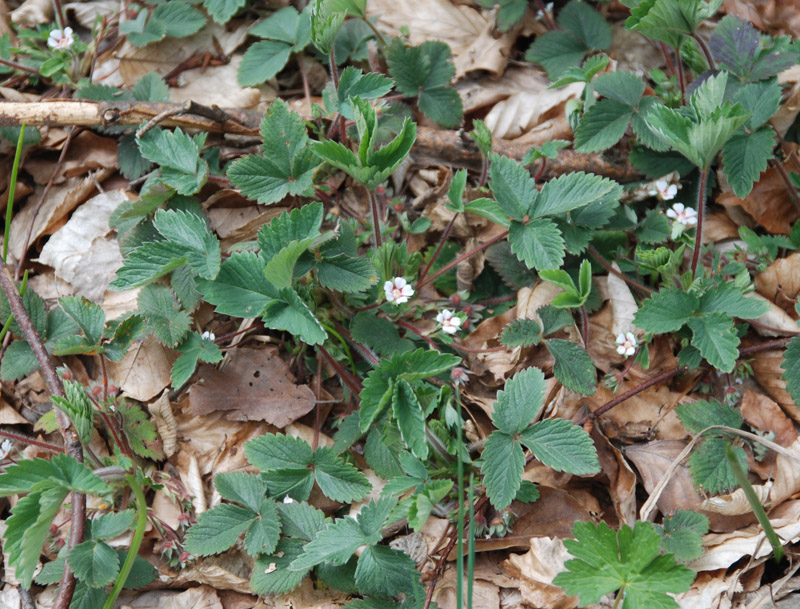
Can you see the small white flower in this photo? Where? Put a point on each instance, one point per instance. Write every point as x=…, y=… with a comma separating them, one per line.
x=449, y=322
x=627, y=343
x=664, y=190
x=209, y=335
x=288, y=499
x=548, y=7
x=397, y=290
x=61, y=40
x=682, y=214
x=5, y=448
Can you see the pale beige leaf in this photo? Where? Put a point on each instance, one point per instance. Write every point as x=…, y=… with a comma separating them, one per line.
x=780, y=283
x=83, y=252
x=523, y=111
x=144, y=371
x=165, y=422
x=775, y=318
x=203, y=597
x=218, y=86
x=32, y=13
x=768, y=373
x=86, y=13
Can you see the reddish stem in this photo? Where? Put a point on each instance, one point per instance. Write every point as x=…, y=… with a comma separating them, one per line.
x=778, y=343
x=461, y=258
x=439, y=247
x=607, y=266
x=698, y=234
x=12, y=436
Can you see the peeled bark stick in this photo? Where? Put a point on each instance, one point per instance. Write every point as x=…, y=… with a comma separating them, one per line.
x=433, y=146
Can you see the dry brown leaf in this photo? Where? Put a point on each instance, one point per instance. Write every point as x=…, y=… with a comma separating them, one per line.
x=633, y=52
x=87, y=152
x=485, y=594
x=653, y=460
x=521, y=112
x=769, y=203
x=760, y=412
x=86, y=13
x=710, y=590
x=306, y=596
x=724, y=549
x=9, y=416
x=59, y=202
x=537, y=568
x=165, y=422
x=768, y=373
x=467, y=31
x=218, y=86
x=775, y=318
x=603, y=339
x=477, y=92
x=234, y=219
x=620, y=478
x=144, y=371
x=33, y=13
x=82, y=252
x=736, y=503
x=780, y=283
x=498, y=363
x=719, y=227
x=256, y=385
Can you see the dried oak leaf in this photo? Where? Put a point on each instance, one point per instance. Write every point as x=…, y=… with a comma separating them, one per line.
x=256, y=385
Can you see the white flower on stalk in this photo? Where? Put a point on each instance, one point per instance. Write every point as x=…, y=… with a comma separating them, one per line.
x=664, y=190
x=398, y=291
x=5, y=448
x=627, y=343
x=209, y=335
x=449, y=322
x=682, y=214
x=61, y=40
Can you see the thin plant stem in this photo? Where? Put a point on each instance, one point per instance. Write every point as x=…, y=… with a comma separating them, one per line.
x=698, y=233
x=461, y=258
x=681, y=78
x=585, y=326
x=659, y=378
x=778, y=343
x=59, y=13
x=317, y=394
x=755, y=503
x=547, y=21
x=22, y=289
x=12, y=187
x=706, y=51
x=787, y=181
x=439, y=247
x=376, y=221
x=541, y=170
x=376, y=31
x=460, y=531
x=484, y=172
x=136, y=542
x=20, y=67
x=471, y=540
x=304, y=76
x=25, y=440
x=335, y=77
x=404, y=324
x=609, y=267
x=668, y=59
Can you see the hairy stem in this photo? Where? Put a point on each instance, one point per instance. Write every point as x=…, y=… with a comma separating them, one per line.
x=706, y=51
x=376, y=220
x=698, y=233
x=461, y=258
x=610, y=268
x=25, y=440
x=439, y=247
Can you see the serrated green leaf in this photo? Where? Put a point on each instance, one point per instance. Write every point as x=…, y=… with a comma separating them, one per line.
x=738, y=46
x=338, y=479
x=148, y=262
x=62, y=471
x=602, y=126
x=791, y=367
x=202, y=250
x=275, y=451
x=586, y=23
x=18, y=362
x=108, y=526
x=300, y=520
x=325, y=23
x=562, y=445
x=383, y=572
x=180, y=19
x=482, y=136
x=489, y=209
x=150, y=87
x=711, y=470
x=289, y=312
x=670, y=21
x=410, y=419
x=573, y=367
x=556, y=52
x=78, y=408
x=512, y=186
x=94, y=563
x=503, y=464
x=380, y=457
x=218, y=529
x=607, y=560
x=91, y=319
x=164, y=317
x=346, y=273
x=193, y=349
x=296, y=483
x=728, y=298
x=538, y=244
x=624, y=87
x=511, y=269
x=240, y=289
x=142, y=31
x=521, y=333
x=336, y=543
x=222, y=10
x=666, y=311
x=296, y=225
x=263, y=534
x=354, y=83
x=178, y=154
x=682, y=534
x=245, y=489
x=716, y=339
x=696, y=416
x=761, y=100
x=379, y=334
x=520, y=401
x=745, y=156
x=140, y=430
x=271, y=573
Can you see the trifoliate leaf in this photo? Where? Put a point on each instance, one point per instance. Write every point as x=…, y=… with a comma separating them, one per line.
x=520, y=401
x=296, y=225
x=354, y=83
x=163, y=315
x=245, y=489
x=696, y=416
x=193, y=349
x=738, y=46
x=538, y=244
x=728, y=298
x=201, y=248
x=289, y=312
x=562, y=445
x=425, y=72
x=682, y=534
x=335, y=544
x=666, y=311
x=573, y=367
x=503, y=464
x=602, y=126
x=218, y=529
x=223, y=10
x=94, y=563
x=178, y=154
x=716, y=339
x=521, y=333
x=573, y=190
x=108, y=526
x=287, y=166
x=670, y=21
x=62, y=471
x=271, y=451
x=629, y=559
x=745, y=156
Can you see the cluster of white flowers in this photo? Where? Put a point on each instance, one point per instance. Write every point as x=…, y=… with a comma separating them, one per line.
x=627, y=343
x=682, y=214
x=208, y=335
x=61, y=40
x=398, y=291
x=449, y=322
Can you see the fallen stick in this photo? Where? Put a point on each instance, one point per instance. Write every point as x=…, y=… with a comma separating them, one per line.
x=433, y=146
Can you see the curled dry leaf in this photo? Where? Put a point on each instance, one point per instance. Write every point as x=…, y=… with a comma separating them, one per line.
x=769, y=374
x=87, y=152
x=256, y=385
x=784, y=118
x=165, y=423
x=536, y=570
x=780, y=283
x=735, y=503
x=724, y=549
x=775, y=318
x=32, y=13
x=476, y=92
x=762, y=413
x=86, y=13
x=486, y=336
x=769, y=203
x=621, y=479
x=466, y=30
x=84, y=252
x=218, y=86
x=523, y=111
x=485, y=594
